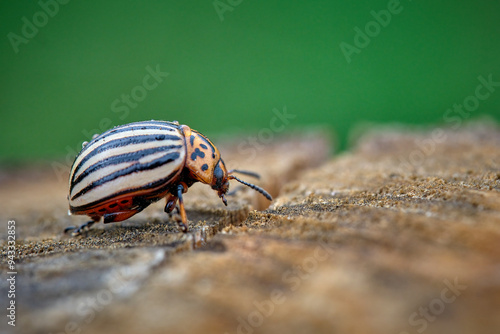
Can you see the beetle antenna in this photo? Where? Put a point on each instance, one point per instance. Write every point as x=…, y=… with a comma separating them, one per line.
x=245, y=172
x=253, y=186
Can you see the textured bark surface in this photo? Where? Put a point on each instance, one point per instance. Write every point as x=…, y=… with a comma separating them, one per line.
x=402, y=234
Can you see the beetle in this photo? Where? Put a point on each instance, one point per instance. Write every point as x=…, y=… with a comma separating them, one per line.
x=122, y=171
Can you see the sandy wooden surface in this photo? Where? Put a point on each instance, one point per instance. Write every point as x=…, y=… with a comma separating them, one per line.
x=400, y=235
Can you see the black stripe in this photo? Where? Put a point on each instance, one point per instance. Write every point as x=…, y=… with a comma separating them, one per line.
x=141, y=125
x=164, y=183
x=148, y=125
x=134, y=126
x=136, y=139
x=167, y=126
x=174, y=125
x=120, y=158
x=129, y=170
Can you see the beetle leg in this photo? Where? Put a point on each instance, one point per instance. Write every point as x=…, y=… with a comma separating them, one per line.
x=171, y=201
x=78, y=230
x=177, y=212
x=183, y=223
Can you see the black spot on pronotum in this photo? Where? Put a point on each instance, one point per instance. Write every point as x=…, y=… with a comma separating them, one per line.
x=206, y=142
x=203, y=146
x=213, y=155
x=191, y=140
x=204, y=167
x=197, y=153
x=113, y=205
x=124, y=201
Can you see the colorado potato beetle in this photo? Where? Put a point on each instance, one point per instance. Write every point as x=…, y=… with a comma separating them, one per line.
x=122, y=171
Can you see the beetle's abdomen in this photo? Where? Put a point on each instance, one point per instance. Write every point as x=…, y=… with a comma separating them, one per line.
x=135, y=161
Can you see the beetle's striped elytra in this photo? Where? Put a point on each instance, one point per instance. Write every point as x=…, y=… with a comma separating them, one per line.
x=122, y=171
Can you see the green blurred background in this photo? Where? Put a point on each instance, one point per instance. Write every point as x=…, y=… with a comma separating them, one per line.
x=228, y=71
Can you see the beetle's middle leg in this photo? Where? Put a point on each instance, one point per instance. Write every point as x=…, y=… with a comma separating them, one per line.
x=181, y=188
x=183, y=223
x=171, y=201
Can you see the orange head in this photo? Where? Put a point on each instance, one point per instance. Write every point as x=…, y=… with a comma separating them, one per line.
x=205, y=164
